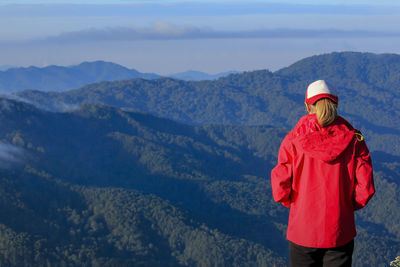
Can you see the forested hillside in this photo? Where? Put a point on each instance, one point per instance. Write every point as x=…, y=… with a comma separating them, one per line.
x=368, y=86
x=91, y=176
x=103, y=186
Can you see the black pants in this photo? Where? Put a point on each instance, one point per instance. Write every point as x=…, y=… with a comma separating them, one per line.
x=327, y=257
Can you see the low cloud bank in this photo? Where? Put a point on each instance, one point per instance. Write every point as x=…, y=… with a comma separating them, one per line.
x=163, y=31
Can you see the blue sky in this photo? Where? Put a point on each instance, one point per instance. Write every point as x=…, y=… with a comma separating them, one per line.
x=212, y=36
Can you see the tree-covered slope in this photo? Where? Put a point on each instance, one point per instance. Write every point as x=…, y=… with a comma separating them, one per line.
x=102, y=186
x=47, y=222
x=368, y=87
x=343, y=68
x=249, y=98
x=58, y=78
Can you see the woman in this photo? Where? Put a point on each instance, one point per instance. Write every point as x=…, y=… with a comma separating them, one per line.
x=324, y=174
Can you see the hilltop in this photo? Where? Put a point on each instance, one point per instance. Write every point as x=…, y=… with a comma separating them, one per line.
x=60, y=78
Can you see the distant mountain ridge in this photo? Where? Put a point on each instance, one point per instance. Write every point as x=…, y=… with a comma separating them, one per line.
x=193, y=75
x=6, y=67
x=60, y=78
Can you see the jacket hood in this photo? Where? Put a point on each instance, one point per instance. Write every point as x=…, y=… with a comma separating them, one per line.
x=324, y=143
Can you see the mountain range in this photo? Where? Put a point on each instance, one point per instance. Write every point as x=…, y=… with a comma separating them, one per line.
x=370, y=101
x=166, y=172
x=60, y=78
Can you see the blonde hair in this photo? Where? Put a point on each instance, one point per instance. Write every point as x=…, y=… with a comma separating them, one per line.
x=326, y=111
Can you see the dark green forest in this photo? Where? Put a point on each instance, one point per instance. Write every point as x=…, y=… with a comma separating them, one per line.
x=368, y=84
x=91, y=177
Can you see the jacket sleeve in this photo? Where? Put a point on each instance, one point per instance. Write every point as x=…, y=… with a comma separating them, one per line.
x=364, y=187
x=281, y=175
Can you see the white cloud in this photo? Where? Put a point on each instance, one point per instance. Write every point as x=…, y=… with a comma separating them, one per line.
x=31, y=21
x=10, y=154
x=163, y=31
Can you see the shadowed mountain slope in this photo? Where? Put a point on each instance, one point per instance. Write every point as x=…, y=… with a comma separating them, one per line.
x=99, y=185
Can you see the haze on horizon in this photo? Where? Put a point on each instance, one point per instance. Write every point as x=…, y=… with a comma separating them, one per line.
x=212, y=36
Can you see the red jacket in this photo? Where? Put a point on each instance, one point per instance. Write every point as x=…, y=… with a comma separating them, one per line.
x=323, y=175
